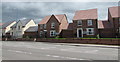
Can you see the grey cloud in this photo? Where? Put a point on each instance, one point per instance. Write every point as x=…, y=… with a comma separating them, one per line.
x=38, y=10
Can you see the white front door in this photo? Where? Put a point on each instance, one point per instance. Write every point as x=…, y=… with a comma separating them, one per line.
x=79, y=32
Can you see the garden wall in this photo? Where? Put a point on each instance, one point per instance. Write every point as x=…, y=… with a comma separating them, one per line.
x=19, y=39
x=83, y=41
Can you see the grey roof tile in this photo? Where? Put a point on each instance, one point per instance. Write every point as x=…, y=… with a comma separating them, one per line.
x=32, y=29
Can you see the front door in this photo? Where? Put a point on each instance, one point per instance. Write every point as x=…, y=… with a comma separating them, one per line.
x=79, y=32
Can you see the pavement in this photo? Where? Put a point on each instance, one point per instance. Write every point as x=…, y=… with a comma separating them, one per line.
x=18, y=50
x=92, y=45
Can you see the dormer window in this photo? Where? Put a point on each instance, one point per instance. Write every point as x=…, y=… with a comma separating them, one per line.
x=89, y=22
x=79, y=22
x=53, y=25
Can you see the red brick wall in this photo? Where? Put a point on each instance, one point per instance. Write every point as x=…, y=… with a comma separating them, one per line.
x=116, y=25
x=19, y=39
x=83, y=41
x=71, y=40
x=67, y=34
x=106, y=33
x=114, y=22
x=31, y=34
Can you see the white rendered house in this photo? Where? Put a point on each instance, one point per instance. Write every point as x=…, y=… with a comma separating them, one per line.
x=18, y=29
x=6, y=27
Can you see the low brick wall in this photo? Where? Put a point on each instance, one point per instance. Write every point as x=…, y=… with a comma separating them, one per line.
x=83, y=41
x=19, y=39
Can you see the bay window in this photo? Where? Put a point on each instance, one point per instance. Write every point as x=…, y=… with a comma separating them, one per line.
x=90, y=31
x=52, y=33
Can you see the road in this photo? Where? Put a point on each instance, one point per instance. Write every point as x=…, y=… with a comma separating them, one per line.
x=54, y=51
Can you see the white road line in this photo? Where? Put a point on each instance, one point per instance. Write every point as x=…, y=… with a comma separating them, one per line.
x=72, y=58
x=48, y=55
x=20, y=52
x=56, y=56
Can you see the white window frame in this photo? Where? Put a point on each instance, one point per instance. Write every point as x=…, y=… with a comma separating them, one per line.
x=78, y=32
x=79, y=22
x=89, y=22
x=44, y=26
x=52, y=25
x=92, y=30
x=52, y=31
x=41, y=26
x=41, y=32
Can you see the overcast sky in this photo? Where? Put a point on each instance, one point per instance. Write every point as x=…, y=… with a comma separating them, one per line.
x=38, y=10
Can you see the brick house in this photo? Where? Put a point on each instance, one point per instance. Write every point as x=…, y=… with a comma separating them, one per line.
x=85, y=23
x=6, y=28
x=105, y=29
x=31, y=32
x=52, y=25
x=114, y=19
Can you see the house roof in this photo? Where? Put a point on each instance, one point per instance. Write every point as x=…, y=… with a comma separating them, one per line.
x=14, y=25
x=46, y=19
x=24, y=22
x=70, y=26
x=114, y=11
x=86, y=14
x=7, y=24
x=32, y=29
x=102, y=24
x=1, y=24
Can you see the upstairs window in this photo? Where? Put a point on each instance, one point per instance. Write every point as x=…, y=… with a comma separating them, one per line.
x=89, y=22
x=79, y=23
x=41, y=26
x=52, y=33
x=41, y=33
x=52, y=25
x=90, y=31
x=18, y=27
x=44, y=26
x=12, y=28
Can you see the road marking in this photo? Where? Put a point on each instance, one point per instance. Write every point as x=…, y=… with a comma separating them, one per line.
x=93, y=51
x=72, y=58
x=19, y=52
x=56, y=56
x=48, y=55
